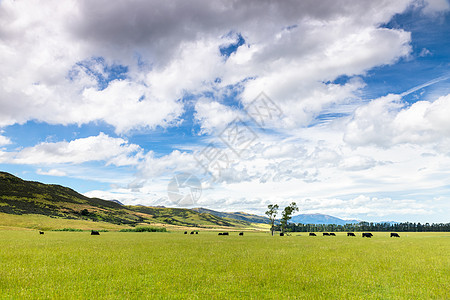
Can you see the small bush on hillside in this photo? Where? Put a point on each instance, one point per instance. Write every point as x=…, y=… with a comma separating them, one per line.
x=144, y=229
x=68, y=229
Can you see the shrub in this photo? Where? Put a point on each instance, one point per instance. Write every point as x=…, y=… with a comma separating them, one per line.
x=144, y=229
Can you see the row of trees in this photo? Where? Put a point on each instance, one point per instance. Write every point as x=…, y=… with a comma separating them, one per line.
x=365, y=226
x=286, y=214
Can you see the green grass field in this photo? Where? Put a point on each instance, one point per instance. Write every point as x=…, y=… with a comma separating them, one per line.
x=124, y=265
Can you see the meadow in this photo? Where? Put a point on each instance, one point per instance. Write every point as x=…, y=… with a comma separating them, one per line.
x=171, y=265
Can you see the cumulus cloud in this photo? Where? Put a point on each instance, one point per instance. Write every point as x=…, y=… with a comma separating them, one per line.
x=366, y=206
x=168, y=50
x=140, y=65
x=4, y=140
x=387, y=121
x=51, y=172
x=433, y=7
x=115, y=151
x=214, y=116
x=322, y=176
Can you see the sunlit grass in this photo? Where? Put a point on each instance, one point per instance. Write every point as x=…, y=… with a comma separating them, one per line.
x=41, y=222
x=131, y=265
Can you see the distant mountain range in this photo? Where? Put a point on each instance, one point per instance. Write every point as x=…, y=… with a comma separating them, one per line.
x=320, y=219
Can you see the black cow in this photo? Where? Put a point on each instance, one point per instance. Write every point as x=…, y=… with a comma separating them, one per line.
x=192, y=232
x=325, y=233
x=350, y=234
x=281, y=234
x=185, y=232
x=94, y=232
x=196, y=232
x=312, y=234
x=225, y=233
x=220, y=233
x=367, y=235
x=393, y=234
x=41, y=232
x=241, y=233
x=333, y=234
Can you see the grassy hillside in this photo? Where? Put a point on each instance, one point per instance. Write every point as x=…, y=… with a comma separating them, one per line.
x=27, y=198
x=241, y=216
x=42, y=222
x=185, y=217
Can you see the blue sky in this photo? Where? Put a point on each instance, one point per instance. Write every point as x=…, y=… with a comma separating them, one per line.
x=115, y=109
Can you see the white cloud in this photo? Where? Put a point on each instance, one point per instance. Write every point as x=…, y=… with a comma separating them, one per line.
x=294, y=50
x=323, y=175
x=128, y=197
x=51, y=172
x=372, y=207
x=433, y=7
x=425, y=52
x=115, y=151
x=387, y=122
x=4, y=140
x=213, y=116
x=173, y=49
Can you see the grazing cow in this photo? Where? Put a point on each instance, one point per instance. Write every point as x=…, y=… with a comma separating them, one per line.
x=350, y=234
x=393, y=234
x=241, y=233
x=367, y=234
x=192, y=232
x=196, y=232
x=312, y=234
x=332, y=234
x=185, y=232
x=41, y=232
x=225, y=233
x=325, y=233
x=281, y=234
x=94, y=232
x=220, y=233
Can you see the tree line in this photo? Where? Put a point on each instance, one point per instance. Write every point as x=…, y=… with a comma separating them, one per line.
x=285, y=226
x=365, y=226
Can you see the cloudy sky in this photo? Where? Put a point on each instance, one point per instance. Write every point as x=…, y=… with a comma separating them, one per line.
x=340, y=106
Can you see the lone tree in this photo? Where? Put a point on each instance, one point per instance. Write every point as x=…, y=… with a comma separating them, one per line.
x=286, y=214
x=272, y=213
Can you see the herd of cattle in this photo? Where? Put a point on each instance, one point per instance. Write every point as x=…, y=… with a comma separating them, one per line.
x=220, y=233
x=364, y=234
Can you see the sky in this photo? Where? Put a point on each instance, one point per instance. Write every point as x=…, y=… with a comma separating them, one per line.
x=340, y=106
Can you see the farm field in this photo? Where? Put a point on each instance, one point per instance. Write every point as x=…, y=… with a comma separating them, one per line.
x=122, y=265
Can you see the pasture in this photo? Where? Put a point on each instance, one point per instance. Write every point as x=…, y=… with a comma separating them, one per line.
x=131, y=265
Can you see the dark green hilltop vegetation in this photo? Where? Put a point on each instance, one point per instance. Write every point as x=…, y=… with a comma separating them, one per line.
x=20, y=197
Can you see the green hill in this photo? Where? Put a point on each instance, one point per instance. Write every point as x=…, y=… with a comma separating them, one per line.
x=20, y=197
x=241, y=216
